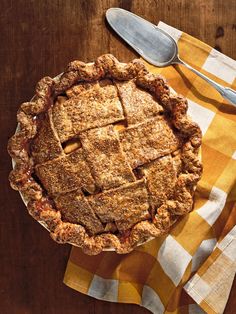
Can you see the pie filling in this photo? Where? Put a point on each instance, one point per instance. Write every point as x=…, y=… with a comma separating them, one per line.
x=71, y=145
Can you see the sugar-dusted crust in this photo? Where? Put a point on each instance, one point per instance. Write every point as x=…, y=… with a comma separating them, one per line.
x=76, y=174
x=138, y=104
x=40, y=205
x=104, y=154
x=96, y=106
x=46, y=145
x=148, y=140
x=75, y=208
x=126, y=205
x=161, y=175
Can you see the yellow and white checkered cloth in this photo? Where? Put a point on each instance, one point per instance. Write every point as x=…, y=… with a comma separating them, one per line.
x=191, y=270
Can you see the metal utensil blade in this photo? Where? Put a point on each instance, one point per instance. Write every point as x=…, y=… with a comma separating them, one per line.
x=147, y=39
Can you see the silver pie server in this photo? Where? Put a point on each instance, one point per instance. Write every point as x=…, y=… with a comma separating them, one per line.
x=154, y=45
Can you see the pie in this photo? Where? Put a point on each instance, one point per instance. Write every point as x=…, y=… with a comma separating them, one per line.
x=105, y=155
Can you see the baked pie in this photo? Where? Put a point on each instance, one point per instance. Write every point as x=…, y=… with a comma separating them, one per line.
x=105, y=155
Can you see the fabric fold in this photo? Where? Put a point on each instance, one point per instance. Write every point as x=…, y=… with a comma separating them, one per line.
x=190, y=270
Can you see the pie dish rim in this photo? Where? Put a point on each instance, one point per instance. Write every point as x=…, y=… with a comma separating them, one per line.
x=42, y=223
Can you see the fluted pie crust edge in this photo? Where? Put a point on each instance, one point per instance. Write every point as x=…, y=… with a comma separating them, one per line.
x=39, y=204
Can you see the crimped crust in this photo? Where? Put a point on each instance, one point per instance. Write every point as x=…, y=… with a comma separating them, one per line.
x=41, y=206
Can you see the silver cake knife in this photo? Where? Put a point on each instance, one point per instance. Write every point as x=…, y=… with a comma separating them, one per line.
x=155, y=45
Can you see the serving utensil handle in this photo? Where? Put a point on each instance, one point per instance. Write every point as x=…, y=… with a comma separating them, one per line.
x=226, y=92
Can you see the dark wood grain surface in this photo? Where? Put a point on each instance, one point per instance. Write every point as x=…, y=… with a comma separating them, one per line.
x=39, y=38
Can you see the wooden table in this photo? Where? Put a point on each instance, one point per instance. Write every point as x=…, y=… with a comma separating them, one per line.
x=39, y=38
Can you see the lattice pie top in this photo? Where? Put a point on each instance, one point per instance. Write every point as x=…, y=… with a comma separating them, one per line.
x=106, y=156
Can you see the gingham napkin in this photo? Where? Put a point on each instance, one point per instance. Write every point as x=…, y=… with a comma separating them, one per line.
x=191, y=270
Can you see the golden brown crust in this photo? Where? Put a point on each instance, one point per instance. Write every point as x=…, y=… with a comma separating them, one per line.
x=76, y=90
x=161, y=175
x=138, y=104
x=125, y=205
x=46, y=145
x=66, y=173
x=97, y=106
x=187, y=172
x=106, y=158
x=75, y=208
x=148, y=141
